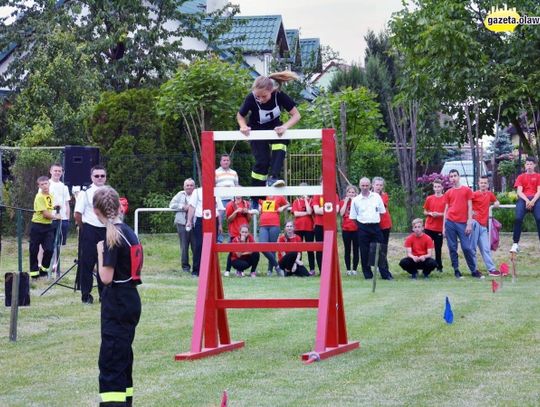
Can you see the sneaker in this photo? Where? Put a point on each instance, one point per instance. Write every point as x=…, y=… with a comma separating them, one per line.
x=426, y=276
x=275, y=182
x=312, y=273
x=253, y=274
x=478, y=275
x=495, y=273
x=269, y=273
x=514, y=248
x=253, y=212
x=414, y=276
x=349, y=272
x=458, y=274
x=87, y=299
x=280, y=272
x=227, y=274
x=239, y=274
x=353, y=273
x=439, y=270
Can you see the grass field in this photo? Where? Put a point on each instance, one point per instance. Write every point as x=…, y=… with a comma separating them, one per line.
x=408, y=356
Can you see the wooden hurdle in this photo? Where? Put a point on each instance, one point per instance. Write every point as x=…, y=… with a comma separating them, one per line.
x=210, y=321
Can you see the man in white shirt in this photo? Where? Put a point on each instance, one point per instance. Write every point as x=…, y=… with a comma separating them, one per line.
x=194, y=221
x=225, y=177
x=61, y=199
x=366, y=210
x=91, y=231
x=180, y=203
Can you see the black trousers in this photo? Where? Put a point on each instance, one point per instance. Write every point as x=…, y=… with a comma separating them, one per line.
x=89, y=236
x=369, y=234
x=120, y=313
x=383, y=253
x=40, y=235
x=243, y=263
x=350, y=244
x=268, y=159
x=438, y=241
x=287, y=263
x=197, y=247
x=318, y=231
x=412, y=267
x=308, y=236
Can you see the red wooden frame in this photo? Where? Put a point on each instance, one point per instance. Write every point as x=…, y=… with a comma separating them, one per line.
x=210, y=320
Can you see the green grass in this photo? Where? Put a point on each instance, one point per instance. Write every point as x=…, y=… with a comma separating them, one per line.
x=408, y=355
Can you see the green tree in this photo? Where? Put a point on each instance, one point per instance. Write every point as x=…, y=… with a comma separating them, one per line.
x=131, y=43
x=204, y=95
x=59, y=89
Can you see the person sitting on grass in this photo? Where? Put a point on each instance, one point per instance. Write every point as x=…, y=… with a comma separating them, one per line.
x=291, y=262
x=419, y=251
x=237, y=215
x=245, y=259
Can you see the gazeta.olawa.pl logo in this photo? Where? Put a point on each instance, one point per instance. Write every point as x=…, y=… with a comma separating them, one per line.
x=507, y=19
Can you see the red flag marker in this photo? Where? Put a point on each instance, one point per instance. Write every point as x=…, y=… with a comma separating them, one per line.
x=494, y=286
x=224, y=399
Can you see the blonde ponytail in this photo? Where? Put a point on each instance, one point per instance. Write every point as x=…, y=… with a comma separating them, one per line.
x=107, y=201
x=274, y=80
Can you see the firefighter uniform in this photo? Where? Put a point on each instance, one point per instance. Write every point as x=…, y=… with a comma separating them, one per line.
x=120, y=313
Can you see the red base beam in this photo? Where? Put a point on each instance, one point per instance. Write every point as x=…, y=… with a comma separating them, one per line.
x=205, y=352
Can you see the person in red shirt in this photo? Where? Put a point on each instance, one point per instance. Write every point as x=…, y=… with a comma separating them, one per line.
x=458, y=224
x=434, y=212
x=482, y=199
x=349, y=231
x=291, y=262
x=419, y=251
x=271, y=209
x=237, y=213
x=245, y=259
x=318, y=212
x=303, y=223
x=528, y=190
x=385, y=225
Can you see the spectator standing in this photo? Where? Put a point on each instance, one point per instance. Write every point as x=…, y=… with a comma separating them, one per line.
x=180, y=203
x=385, y=224
x=269, y=230
x=481, y=201
x=458, y=222
x=91, y=231
x=366, y=210
x=303, y=224
x=434, y=212
x=349, y=231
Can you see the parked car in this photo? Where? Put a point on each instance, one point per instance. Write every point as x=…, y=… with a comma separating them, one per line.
x=465, y=169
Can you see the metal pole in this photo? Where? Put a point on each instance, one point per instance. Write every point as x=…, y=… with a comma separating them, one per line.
x=15, y=285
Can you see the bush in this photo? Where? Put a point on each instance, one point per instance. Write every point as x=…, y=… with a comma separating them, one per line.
x=159, y=222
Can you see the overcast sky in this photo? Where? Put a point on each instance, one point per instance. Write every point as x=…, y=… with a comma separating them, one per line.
x=340, y=24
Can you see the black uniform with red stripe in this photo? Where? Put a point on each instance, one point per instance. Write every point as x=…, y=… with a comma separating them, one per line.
x=120, y=313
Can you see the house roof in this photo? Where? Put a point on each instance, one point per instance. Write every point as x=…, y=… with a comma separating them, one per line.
x=257, y=34
x=193, y=6
x=293, y=39
x=311, y=51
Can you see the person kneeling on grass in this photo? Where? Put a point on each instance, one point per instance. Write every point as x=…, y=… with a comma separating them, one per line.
x=243, y=260
x=419, y=251
x=291, y=262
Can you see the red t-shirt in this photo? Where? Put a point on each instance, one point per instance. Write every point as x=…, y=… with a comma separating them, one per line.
x=457, y=199
x=302, y=223
x=529, y=182
x=239, y=220
x=319, y=200
x=347, y=224
x=419, y=244
x=249, y=239
x=269, y=210
x=435, y=204
x=386, y=219
x=480, y=206
x=284, y=239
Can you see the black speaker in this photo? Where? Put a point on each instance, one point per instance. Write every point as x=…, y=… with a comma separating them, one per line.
x=78, y=160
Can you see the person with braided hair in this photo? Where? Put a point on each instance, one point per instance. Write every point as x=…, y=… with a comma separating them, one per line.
x=264, y=105
x=120, y=259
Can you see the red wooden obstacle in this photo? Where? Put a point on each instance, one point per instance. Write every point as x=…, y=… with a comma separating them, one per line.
x=210, y=321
